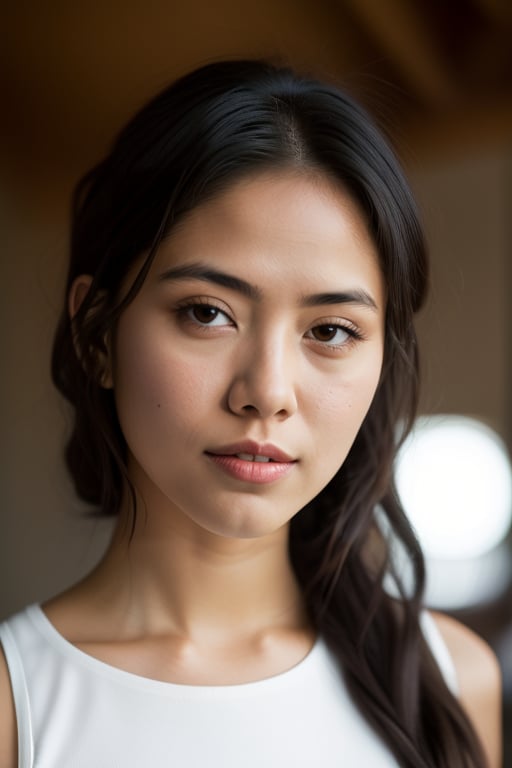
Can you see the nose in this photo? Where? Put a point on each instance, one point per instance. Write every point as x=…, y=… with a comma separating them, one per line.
x=264, y=384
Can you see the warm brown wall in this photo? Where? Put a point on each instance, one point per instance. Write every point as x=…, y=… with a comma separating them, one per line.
x=465, y=332
x=43, y=543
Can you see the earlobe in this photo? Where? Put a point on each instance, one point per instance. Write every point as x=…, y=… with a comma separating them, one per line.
x=101, y=358
x=106, y=378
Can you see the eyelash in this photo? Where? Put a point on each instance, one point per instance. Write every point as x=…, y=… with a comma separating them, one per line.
x=185, y=310
x=353, y=335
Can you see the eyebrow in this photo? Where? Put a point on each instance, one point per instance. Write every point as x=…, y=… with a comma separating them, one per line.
x=198, y=271
x=357, y=296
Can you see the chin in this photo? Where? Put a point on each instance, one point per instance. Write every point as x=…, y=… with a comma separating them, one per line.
x=244, y=524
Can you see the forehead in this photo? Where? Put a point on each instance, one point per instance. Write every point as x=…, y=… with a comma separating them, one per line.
x=288, y=225
x=303, y=205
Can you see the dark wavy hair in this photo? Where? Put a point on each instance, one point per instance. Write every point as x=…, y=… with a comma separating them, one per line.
x=212, y=127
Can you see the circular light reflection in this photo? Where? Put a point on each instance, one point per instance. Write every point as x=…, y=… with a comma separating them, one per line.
x=468, y=582
x=454, y=479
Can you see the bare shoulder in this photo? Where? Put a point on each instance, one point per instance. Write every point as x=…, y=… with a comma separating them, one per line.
x=8, y=731
x=477, y=667
x=479, y=682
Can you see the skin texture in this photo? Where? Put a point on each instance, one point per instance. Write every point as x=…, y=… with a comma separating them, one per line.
x=256, y=371
x=204, y=592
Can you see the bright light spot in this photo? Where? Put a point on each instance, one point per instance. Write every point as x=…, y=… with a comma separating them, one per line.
x=468, y=582
x=454, y=479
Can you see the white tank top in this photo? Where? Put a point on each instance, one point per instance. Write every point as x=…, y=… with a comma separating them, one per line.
x=74, y=711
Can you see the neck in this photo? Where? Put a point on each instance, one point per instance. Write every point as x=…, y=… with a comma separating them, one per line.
x=178, y=578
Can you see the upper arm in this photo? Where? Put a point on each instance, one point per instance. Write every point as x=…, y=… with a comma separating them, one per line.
x=8, y=729
x=479, y=682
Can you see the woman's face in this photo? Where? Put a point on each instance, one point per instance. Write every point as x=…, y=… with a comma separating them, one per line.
x=246, y=363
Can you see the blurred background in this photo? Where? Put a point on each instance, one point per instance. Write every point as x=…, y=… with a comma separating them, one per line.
x=438, y=77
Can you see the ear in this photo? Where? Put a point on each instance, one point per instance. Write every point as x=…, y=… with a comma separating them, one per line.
x=77, y=293
x=102, y=362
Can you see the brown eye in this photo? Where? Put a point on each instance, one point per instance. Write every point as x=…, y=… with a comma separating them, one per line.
x=204, y=313
x=332, y=335
x=325, y=332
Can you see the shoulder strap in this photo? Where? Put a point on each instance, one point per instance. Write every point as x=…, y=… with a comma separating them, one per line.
x=20, y=695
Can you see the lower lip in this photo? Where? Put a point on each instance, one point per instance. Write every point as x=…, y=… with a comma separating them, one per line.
x=259, y=472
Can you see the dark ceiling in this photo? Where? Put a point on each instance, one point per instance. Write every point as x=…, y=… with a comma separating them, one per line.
x=438, y=73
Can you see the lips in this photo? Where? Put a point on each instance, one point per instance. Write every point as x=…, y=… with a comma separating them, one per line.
x=249, y=450
x=251, y=462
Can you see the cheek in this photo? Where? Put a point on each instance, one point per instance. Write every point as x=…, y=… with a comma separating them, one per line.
x=344, y=405
x=354, y=390
x=157, y=390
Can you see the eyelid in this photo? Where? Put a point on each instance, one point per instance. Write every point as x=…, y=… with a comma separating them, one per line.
x=207, y=301
x=341, y=322
x=184, y=305
x=354, y=334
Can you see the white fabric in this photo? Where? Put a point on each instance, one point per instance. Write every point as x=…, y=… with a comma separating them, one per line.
x=21, y=697
x=76, y=711
x=440, y=652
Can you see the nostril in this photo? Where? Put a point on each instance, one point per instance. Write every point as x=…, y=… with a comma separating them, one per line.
x=261, y=394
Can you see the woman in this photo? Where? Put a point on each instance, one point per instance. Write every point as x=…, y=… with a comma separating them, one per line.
x=239, y=350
